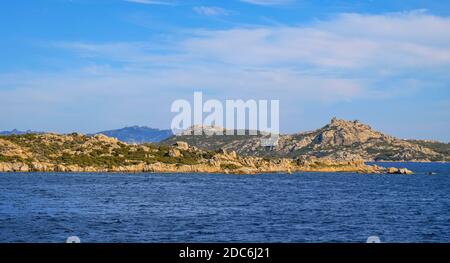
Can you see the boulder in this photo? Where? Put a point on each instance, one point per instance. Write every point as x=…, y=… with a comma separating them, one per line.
x=393, y=170
x=103, y=138
x=175, y=153
x=405, y=171
x=182, y=145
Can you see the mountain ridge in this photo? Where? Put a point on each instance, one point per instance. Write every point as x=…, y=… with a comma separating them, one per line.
x=18, y=132
x=338, y=140
x=137, y=134
x=129, y=134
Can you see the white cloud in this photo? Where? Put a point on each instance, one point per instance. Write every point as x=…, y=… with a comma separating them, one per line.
x=338, y=59
x=151, y=2
x=347, y=58
x=268, y=2
x=210, y=10
x=350, y=41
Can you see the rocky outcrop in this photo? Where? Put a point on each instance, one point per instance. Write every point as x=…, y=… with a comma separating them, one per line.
x=247, y=166
x=182, y=145
x=175, y=153
x=339, y=140
x=99, y=153
x=104, y=138
x=393, y=170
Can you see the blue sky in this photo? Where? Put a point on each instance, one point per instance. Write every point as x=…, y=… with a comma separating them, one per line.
x=89, y=65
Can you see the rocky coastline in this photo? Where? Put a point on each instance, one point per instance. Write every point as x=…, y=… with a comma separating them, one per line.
x=99, y=153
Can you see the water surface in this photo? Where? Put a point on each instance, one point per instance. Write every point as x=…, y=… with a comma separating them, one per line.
x=302, y=207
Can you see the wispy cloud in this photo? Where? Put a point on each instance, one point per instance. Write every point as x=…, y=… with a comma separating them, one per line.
x=348, y=53
x=350, y=57
x=349, y=41
x=268, y=2
x=210, y=10
x=151, y=2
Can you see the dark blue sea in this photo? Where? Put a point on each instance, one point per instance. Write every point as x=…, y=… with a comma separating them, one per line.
x=302, y=207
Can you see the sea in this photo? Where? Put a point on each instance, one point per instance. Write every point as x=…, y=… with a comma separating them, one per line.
x=286, y=208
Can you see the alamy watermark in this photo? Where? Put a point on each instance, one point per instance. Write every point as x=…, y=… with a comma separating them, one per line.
x=211, y=117
x=73, y=239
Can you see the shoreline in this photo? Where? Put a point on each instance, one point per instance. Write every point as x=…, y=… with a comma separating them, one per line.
x=204, y=173
x=403, y=161
x=286, y=167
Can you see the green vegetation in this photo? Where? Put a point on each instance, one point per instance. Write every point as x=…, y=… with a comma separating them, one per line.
x=11, y=159
x=85, y=151
x=211, y=142
x=229, y=166
x=439, y=147
x=319, y=165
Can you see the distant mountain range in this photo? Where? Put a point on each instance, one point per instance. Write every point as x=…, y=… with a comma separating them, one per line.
x=17, y=132
x=138, y=134
x=338, y=140
x=133, y=134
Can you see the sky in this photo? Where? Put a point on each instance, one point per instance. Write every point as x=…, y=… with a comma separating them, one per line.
x=92, y=65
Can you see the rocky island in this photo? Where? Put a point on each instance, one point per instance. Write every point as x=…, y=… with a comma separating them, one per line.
x=99, y=153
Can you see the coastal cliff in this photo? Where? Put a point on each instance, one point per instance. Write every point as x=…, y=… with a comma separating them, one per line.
x=80, y=153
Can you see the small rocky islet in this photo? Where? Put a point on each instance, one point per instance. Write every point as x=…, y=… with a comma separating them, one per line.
x=81, y=153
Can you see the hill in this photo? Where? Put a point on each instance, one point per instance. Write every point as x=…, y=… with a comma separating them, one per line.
x=138, y=134
x=338, y=140
x=80, y=153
